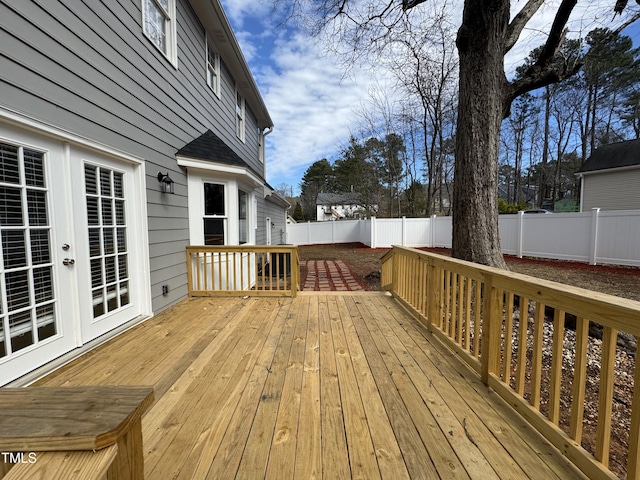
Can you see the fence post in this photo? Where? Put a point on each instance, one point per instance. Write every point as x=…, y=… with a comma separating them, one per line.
x=432, y=228
x=333, y=230
x=491, y=330
x=309, y=232
x=373, y=232
x=403, y=239
x=593, y=250
x=519, y=232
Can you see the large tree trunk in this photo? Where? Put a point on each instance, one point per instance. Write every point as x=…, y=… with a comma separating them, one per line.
x=481, y=47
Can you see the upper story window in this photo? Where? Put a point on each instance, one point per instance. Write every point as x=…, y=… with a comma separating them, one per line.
x=240, y=116
x=213, y=68
x=158, y=19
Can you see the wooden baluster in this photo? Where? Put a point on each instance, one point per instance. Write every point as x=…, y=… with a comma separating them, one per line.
x=556, y=366
x=536, y=363
x=508, y=339
x=467, y=318
x=605, y=396
x=461, y=282
x=454, y=305
x=477, y=319
x=523, y=329
x=447, y=300
x=579, y=379
x=633, y=466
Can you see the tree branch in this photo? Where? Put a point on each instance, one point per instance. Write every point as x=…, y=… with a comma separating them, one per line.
x=544, y=71
x=519, y=21
x=409, y=4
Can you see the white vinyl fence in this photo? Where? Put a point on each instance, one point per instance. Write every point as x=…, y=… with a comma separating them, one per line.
x=611, y=237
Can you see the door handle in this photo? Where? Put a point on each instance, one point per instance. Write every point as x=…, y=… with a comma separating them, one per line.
x=68, y=262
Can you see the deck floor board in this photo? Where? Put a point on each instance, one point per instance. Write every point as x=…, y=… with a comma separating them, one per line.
x=321, y=386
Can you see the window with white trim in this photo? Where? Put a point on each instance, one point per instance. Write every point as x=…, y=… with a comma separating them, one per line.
x=240, y=115
x=213, y=68
x=158, y=23
x=215, y=214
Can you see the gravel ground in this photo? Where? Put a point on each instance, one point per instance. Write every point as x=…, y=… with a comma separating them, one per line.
x=614, y=280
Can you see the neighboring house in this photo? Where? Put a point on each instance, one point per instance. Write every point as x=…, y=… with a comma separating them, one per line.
x=610, y=177
x=96, y=100
x=338, y=206
x=528, y=194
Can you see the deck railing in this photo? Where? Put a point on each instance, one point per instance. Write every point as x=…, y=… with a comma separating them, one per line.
x=476, y=311
x=243, y=270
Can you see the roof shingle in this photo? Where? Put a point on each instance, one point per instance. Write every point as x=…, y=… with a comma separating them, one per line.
x=613, y=155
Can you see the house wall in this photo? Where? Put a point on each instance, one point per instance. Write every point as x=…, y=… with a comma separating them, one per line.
x=611, y=190
x=88, y=68
x=278, y=217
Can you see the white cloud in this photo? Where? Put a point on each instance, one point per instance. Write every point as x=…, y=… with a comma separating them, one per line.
x=311, y=105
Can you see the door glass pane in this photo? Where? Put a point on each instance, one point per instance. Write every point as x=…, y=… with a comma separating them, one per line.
x=34, y=168
x=14, y=249
x=21, y=330
x=37, y=202
x=106, y=207
x=25, y=232
x=9, y=164
x=10, y=206
x=40, y=247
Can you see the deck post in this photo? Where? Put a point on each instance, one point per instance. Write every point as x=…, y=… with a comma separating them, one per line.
x=491, y=331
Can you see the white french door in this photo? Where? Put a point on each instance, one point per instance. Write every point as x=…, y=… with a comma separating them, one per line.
x=69, y=248
x=107, y=243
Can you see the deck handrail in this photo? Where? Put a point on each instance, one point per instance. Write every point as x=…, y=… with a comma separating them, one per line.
x=232, y=270
x=472, y=309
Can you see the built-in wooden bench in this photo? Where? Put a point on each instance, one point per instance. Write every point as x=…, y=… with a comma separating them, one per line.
x=78, y=432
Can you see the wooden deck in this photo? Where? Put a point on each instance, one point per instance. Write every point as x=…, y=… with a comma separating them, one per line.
x=326, y=386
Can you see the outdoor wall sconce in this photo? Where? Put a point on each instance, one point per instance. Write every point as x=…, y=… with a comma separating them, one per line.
x=166, y=183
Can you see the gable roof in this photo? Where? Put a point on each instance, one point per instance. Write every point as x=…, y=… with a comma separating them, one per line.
x=613, y=155
x=210, y=147
x=337, y=199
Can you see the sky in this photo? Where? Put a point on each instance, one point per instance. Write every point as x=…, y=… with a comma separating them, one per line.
x=314, y=105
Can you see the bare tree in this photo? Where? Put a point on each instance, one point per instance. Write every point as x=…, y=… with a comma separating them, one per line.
x=426, y=67
x=487, y=34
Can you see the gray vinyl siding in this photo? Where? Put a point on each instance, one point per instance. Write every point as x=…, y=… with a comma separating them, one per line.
x=261, y=236
x=278, y=218
x=616, y=190
x=87, y=67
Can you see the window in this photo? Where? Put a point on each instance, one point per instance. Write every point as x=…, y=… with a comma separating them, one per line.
x=214, y=214
x=213, y=68
x=158, y=19
x=240, y=111
x=243, y=224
